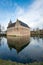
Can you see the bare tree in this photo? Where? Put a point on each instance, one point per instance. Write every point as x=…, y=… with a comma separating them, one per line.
x=37, y=31
x=0, y=28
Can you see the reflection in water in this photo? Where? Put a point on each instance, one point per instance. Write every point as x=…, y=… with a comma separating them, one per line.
x=18, y=42
x=30, y=49
x=0, y=41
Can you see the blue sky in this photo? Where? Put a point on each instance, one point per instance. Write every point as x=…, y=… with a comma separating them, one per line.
x=28, y=11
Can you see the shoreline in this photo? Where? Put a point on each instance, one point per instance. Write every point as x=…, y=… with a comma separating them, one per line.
x=8, y=62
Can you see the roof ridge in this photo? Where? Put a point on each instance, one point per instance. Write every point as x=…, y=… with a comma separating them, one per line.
x=21, y=23
x=24, y=23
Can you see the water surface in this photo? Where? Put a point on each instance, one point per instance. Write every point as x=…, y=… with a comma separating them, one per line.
x=21, y=49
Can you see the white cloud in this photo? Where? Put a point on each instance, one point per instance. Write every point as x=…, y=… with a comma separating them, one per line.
x=33, y=16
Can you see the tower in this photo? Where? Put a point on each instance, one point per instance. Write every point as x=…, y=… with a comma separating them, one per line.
x=10, y=23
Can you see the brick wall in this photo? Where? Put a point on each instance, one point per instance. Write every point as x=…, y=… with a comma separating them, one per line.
x=18, y=30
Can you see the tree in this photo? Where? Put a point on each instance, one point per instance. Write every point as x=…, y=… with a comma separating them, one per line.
x=3, y=29
x=0, y=28
x=37, y=31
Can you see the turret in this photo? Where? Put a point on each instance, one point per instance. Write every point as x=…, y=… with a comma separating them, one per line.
x=10, y=23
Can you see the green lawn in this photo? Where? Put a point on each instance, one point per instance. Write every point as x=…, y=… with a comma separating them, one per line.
x=4, y=62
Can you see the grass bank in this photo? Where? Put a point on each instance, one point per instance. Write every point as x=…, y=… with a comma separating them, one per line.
x=4, y=62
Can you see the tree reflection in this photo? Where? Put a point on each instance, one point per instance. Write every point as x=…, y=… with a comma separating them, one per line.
x=0, y=41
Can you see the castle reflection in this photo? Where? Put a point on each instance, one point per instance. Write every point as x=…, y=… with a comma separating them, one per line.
x=18, y=43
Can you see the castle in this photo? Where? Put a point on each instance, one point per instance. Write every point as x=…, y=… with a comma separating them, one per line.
x=18, y=29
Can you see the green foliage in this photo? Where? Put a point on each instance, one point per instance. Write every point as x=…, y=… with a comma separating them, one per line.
x=4, y=62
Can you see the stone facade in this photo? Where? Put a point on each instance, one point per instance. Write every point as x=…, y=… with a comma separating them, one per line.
x=18, y=29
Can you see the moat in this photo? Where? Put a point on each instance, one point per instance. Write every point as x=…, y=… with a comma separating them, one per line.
x=21, y=49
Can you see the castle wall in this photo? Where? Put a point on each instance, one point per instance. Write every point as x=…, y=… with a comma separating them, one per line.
x=18, y=30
